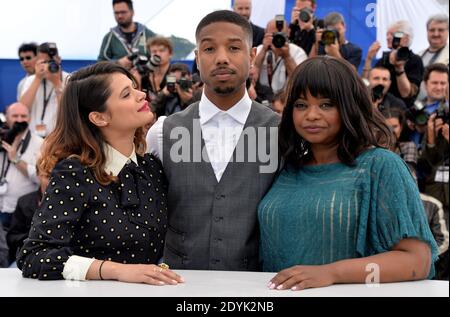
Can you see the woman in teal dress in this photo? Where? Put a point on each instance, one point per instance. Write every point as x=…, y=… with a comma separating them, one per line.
x=343, y=209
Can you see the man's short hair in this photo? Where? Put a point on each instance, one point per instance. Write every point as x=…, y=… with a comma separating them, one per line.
x=45, y=48
x=128, y=2
x=405, y=27
x=28, y=47
x=380, y=67
x=227, y=17
x=160, y=41
x=179, y=67
x=437, y=67
x=333, y=18
x=439, y=18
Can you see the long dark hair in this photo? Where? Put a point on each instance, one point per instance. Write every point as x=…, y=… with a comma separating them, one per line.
x=75, y=136
x=336, y=79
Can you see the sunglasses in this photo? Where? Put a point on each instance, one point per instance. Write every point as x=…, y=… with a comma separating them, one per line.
x=28, y=58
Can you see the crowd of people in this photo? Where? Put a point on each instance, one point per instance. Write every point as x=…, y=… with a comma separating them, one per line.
x=135, y=166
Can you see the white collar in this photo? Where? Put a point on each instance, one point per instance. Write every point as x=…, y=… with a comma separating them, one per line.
x=239, y=112
x=115, y=161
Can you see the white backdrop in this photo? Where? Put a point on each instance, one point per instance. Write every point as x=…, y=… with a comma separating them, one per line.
x=415, y=11
x=78, y=26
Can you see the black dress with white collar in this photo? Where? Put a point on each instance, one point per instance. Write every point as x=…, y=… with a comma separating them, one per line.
x=123, y=222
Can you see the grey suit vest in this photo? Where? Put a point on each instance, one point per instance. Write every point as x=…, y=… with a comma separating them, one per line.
x=213, y=225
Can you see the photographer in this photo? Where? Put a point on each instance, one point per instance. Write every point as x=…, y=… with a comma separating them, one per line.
x=244, y=9
x=20, y=148
x=406, y=149
x=435, y=80
x=151, y=71
x=178, y=94
x=42, y=91
x=405, y=66
x=276, y=58
x=27, y=56
x=331, y=41
x=434, y=163
x=302, y=30
x=120, y=41
x=379, y=84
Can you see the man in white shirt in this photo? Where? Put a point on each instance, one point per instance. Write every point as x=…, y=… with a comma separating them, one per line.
x=20, y=149
x=42, y=91
x=437, y=52
x=437, y=32
x=213, y=191
x=276, y=64
x=27, y=57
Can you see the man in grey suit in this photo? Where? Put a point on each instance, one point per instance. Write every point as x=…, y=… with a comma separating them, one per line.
x=220, y=156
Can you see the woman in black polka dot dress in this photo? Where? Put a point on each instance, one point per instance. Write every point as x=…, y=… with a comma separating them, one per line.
x=104, y=213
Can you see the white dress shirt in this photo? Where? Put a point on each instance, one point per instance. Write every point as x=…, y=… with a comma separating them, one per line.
x=37, y=107
x=76, y=267
x=19, y=184
x=221, y=131
x=279, y=77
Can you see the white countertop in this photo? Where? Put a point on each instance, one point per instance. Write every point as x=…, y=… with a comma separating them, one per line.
x=206, y=284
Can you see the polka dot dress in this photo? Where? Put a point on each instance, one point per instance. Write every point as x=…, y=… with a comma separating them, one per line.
x=123, y=222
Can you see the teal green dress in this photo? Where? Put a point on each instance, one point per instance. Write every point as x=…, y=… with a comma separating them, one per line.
x=326, y=213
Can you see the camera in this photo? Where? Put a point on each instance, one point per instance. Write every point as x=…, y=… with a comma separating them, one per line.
x=171, y=84
x=329, y=36
x=377, y=93
x=9, y=135
x=417, y=113
x=52, y=51
x=403, y=53
x=144, y=64
x=319, y=24
x=305, y=15
x=279, y=39
x=442, y=113
x=185, y=84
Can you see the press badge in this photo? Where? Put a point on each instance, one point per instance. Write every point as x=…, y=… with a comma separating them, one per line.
x=3, y=187
x=41, y=130
x=442, y=174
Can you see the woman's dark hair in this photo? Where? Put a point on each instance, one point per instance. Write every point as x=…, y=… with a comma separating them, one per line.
x=75, y=136
x=336, y=79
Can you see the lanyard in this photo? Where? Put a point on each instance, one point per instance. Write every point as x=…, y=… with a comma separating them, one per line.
x=46, y=100
x=23, y=145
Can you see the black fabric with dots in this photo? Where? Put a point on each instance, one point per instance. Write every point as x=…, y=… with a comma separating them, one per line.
x=123, y=222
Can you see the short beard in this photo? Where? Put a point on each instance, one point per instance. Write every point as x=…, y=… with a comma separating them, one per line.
x=125, y=25
x=224, y=91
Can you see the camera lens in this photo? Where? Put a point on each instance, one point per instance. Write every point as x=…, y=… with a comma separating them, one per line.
x=377, y=92
x=329, y=37
x=53, y=67
x=403, y=54
x=305, y=16
x=279, y=40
